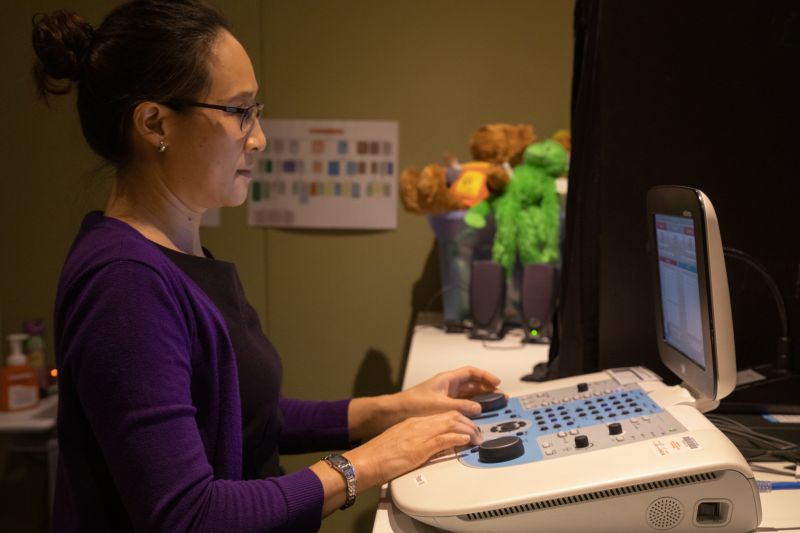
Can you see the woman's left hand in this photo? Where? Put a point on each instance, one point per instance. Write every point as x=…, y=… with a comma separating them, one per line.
x=447, y=391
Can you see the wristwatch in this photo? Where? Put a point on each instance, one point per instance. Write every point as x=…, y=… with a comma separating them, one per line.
x=342, y=465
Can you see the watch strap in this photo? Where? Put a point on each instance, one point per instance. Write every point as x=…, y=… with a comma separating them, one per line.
x=342, y=465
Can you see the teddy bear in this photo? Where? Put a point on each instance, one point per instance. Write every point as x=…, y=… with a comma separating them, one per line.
x=495, y=148
x=526, y=214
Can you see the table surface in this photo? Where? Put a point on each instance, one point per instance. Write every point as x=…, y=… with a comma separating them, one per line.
x=432, y=350
x=40, y=418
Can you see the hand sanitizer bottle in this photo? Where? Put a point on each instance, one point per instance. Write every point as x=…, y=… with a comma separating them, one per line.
x=19, y=382
x=34, y=350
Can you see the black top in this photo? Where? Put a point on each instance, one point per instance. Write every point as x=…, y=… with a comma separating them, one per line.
x=259, y=365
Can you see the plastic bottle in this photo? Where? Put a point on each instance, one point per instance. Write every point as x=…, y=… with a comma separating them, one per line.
x=16, y=357
x=19, y=381
x=34, y=349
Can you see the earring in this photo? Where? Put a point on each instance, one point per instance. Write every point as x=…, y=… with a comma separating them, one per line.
x=162, y=146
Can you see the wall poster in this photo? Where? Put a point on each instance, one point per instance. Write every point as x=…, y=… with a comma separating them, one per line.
x=326, y=174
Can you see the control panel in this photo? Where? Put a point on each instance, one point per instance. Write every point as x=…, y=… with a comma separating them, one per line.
x=561, y=422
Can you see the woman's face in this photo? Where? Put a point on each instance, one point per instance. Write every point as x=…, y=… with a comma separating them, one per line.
x=212, y=159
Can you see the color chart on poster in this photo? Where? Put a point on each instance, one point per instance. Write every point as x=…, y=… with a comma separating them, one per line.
x=326, y=174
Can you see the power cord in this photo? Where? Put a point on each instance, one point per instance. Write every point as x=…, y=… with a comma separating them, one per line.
x=514, y=333
x=769, y=486
x=789, y=470
x=782, y=359
x=441, y=292
x=757, y=446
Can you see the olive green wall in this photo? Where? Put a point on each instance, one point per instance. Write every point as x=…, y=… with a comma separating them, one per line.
x=51, y=178
x=337, y=304
x=336, y=301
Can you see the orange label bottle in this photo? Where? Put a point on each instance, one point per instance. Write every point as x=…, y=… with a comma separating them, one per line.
x=19, y=387
x=19, y=382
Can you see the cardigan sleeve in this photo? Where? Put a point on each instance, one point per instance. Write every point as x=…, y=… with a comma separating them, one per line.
x=313, y=426
x=127, y=356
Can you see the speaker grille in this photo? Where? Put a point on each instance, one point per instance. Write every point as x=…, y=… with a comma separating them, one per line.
x=538, y=294
x=487, y=293
x=664, y=513
x=591, y=496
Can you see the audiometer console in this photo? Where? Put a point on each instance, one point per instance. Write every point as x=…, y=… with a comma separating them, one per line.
x=617, y=450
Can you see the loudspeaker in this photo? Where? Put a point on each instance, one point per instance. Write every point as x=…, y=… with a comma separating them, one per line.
x=487, y=294
x=537, y=299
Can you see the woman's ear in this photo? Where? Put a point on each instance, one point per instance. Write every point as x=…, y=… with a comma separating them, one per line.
x=150, y=124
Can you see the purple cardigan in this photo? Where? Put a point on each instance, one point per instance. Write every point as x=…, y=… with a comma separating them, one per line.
x=149, y=421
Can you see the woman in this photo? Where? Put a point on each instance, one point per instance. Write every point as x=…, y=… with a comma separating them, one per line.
x=170, y=416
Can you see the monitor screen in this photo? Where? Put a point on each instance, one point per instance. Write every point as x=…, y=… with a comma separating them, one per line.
x=680, y=292
x=690, y=286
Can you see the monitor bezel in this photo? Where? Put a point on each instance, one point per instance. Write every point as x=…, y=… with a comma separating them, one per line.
x=717, y=379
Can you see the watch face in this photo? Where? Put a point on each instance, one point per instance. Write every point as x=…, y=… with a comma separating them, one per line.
x=337, y=460
x=340, y=461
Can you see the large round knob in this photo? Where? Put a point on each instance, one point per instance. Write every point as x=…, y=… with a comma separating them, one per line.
x=500, y=449
x=583, y=387
x=490, y=401
x=581, y=441
x=614, y=428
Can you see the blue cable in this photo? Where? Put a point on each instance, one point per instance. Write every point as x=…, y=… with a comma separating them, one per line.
x=769, y=486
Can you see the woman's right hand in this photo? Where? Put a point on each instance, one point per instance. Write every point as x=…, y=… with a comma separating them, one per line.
x=408, y=444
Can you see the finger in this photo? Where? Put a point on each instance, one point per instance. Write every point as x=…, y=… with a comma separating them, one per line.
x=445, y=441
x=467, y=407
x=458, y=423
x=481, y=375
x=472, y=373
x=472, y=380
x=455, y=415
x=447, y=419
x=474, y=432
x=468, y=390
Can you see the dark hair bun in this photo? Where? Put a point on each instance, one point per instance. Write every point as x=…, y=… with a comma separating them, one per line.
x=61, y=42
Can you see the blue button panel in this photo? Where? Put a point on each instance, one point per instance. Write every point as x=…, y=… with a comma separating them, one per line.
x=548, y=422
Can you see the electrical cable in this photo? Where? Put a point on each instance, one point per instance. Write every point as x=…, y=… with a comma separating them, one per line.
x=756, y=446
x=782, y=360
x=512, y=333
x=769, y=486
x=778, y=471
x=441, y=292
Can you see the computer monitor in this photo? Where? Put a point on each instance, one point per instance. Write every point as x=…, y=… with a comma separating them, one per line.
x=693, y=312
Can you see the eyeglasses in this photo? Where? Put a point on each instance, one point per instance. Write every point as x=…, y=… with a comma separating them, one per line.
x=249, y=114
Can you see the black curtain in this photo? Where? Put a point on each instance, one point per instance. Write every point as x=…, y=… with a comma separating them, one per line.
x=705, y=94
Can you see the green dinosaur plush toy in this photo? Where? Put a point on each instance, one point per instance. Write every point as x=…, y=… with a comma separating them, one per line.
x=526, y=214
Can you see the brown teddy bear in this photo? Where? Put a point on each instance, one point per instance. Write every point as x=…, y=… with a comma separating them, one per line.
x=495, y=148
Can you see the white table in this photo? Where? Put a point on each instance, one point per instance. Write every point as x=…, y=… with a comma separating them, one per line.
x=432, y=350
x=32, y=431
x=38, y=419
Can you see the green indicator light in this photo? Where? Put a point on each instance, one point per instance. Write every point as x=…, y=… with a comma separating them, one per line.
x=534, y=332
